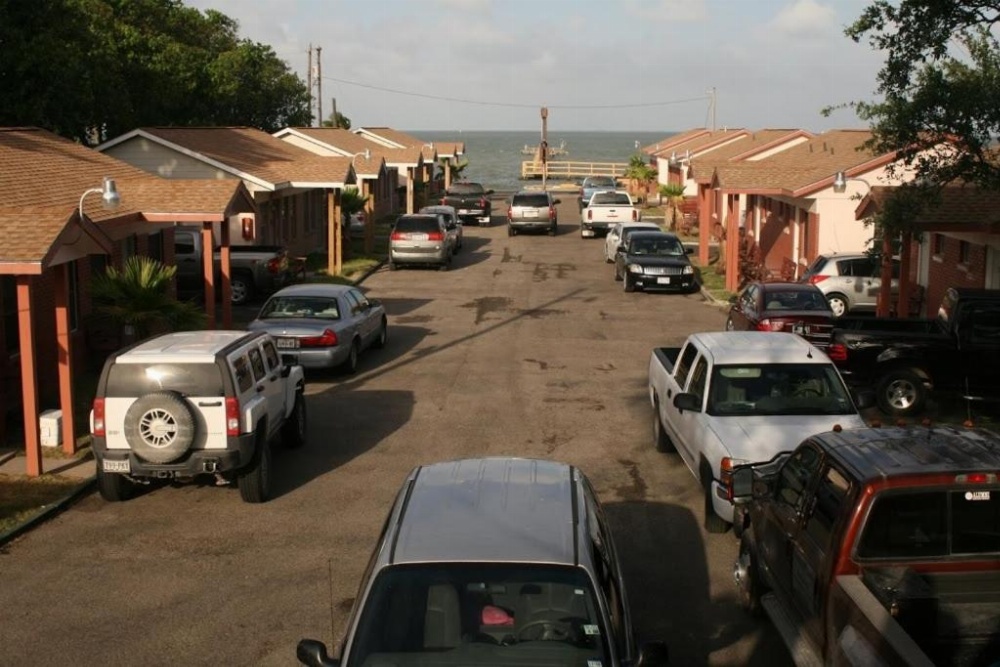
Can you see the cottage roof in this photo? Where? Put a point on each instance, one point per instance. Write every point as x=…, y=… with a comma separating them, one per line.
x=961, y=208
x=704, y=164
x=666, y=144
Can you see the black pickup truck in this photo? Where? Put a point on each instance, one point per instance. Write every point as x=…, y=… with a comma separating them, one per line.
x=471, y=201
x=905, y=359
x=876, y=546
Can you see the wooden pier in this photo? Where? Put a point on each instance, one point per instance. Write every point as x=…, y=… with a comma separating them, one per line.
x=567, y=169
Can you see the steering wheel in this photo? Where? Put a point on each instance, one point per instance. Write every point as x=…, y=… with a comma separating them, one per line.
x=806, y=391
x=545, y=630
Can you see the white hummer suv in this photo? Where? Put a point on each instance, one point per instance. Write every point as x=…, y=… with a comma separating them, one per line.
x=195, y=403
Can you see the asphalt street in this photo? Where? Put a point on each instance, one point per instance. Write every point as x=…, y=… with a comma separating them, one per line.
x=527, y=347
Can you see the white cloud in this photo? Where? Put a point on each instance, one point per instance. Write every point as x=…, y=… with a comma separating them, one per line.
x=804, y=18
x=472, y=6
x=668, y=10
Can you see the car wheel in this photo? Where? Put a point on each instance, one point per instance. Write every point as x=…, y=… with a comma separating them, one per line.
x=255, y=480
x=901, y=393
x=627, y=283
x=242, y=289
x=749, y=587
x=445, y=265
x=112, y=486
x=350, y=365
x=293, y=432
x=510, y=230
x=159, y=427
x=552, y=229
x=730, y=325
x=660, y=437
x=838, y=304
x=383, y=335
x=713, y=522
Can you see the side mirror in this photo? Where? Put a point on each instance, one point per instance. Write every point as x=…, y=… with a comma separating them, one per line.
x=653, y=654
x=733, y=299
x=687, y=401
x=490, y=191
x=313, y=653
x=742, y=484
x=864, y=398
x=688, y=250
x=557, y=201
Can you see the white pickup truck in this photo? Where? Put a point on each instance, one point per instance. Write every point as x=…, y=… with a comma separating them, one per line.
x=605, y=209
x=735, y=397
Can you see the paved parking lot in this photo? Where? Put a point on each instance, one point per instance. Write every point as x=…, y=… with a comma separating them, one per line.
x=526, y=347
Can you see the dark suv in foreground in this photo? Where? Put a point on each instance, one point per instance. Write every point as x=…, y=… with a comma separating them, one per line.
x=496, y=561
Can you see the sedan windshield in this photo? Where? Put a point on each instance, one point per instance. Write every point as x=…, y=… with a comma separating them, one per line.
x=482, y=614
x=778, y=389
x=308, y=307
x=656, y=247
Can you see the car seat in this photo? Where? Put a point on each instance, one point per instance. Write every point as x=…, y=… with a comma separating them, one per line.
x=442, y=620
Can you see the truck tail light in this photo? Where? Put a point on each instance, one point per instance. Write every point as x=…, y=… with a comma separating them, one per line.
x=232, y=417
x=327, y=339
x=767, y=324
x=726, y=474
x=590, y=214
x=99, y=417
x=977, y=478
x=552, y=212
x=510, y=213
x=635, y=215
x=837, y=352
x=435, y=236
x=274, y=265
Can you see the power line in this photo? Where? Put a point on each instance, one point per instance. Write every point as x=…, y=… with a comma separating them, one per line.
x=443, y=98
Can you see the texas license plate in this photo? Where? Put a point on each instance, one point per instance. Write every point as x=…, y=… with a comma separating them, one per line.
x=287, y=343
x=108, y=465
x=663, y=281
x=463, y=211
x=418, y=237
x=587, y=232
x=531, y=214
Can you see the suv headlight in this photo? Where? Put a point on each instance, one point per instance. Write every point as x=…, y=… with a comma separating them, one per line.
x=635, y=268
x=688, y=270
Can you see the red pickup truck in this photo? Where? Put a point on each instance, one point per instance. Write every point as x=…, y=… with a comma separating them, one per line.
x=876, y=546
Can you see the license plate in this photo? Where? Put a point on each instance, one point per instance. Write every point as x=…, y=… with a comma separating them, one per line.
x=588, y=232
x=463, y=211
x=116, y=466
x=287, y=343
x=663, y=281
x=531, y=214
x=418, y=237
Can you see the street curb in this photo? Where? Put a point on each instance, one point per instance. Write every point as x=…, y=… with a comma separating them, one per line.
x=368, y=273
x=86, y=486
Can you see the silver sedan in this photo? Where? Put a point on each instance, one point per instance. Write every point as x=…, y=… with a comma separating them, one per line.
x=323, y=325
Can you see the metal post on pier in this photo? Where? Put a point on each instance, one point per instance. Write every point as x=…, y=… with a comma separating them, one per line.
x=543, y=147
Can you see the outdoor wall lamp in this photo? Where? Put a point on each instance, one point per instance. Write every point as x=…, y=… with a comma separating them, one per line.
x=675, y=161
x=366, y=152
x=109, y=195
x=840, y=182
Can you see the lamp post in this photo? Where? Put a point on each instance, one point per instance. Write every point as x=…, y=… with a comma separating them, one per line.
x=840, y=180
x=109, y=195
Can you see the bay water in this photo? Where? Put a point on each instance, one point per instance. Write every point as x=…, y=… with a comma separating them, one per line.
x=495, y=156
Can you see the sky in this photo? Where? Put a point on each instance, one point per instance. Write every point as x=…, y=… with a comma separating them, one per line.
x=596, y=65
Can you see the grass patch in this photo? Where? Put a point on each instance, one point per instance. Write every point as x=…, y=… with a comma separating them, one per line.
x=713, y=281
x=22, y=498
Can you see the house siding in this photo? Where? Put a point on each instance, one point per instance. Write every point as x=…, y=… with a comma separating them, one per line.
x=947, y=270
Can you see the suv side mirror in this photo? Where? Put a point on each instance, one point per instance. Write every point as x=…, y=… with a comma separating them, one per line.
x=687, y=401
x=313, y=653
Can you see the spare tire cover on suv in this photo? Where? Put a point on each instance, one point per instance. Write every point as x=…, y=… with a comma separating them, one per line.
x=159, y=427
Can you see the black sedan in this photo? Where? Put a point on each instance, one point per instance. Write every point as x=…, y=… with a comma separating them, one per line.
x=654, y=260
x=780, y=306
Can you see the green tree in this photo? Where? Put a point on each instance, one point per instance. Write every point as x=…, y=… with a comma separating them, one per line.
x=640, y=175
x=138, y=296
x=337, y=119
x=673, y=195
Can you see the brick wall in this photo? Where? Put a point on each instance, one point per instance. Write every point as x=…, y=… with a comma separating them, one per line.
x=948, y=270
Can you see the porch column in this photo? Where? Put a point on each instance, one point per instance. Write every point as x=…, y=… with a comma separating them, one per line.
x=411, y=174
x=732, y=223
x=225, y=259
x=903, y=305
x=29, y=378
x=447, y=173
x=64, y=357
x=704, y=225
x=366, y=192
x=334, y=237
x=884, y=301
x=208, y=271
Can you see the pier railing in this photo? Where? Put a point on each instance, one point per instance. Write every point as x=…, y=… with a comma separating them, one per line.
x=566, y=169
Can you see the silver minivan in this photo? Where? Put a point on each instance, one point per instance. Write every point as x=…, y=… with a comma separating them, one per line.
x=492, y=561
x=421, y=239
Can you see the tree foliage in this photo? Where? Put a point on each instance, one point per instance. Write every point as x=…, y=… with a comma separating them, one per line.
x=940, y=94
x=93, y=69
x=338, y=119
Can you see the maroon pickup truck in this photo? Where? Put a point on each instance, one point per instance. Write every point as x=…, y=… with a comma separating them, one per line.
x=876, y=546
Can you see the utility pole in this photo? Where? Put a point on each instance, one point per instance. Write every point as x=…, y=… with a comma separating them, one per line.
x=319, y=84
x=543, y=148
x=711, y=92
x=309, y=80
x=333, y=112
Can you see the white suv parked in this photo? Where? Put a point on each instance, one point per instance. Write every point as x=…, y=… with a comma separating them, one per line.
x=195, y=403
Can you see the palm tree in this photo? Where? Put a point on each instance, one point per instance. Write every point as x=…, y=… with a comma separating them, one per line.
x=639, y=174
x=137, y=299
x=673, y=195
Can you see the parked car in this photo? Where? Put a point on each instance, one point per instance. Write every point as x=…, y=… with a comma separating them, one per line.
x=849, y=281
x=592, y=184
x=876, y=546
x=957, y=352
x=605, y=208
x=421, y=239
x=471, y=200
x=532, y=210
x=496, y=561
x=618, y=236
x=322, y=325
x=452, y=224
x=797, y=308
x=195, y=404
x=654, y=260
